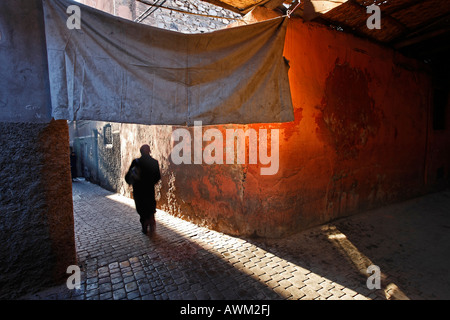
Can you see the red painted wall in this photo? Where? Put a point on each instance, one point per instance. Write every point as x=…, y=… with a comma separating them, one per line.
x=361, y=139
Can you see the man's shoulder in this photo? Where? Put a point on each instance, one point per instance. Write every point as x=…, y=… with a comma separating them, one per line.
x=154, y=163
x=149, y=160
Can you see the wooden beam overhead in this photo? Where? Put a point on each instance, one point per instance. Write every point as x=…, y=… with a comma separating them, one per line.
x=421, y=38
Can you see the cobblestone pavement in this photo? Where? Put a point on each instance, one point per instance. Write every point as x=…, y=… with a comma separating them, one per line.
x=409, y=242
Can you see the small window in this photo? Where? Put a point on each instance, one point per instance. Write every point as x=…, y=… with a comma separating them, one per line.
x=108, y=137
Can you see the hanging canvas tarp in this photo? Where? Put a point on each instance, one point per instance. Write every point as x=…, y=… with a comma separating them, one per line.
x=112, y=69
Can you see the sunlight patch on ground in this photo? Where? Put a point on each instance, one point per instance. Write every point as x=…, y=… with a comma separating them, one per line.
x=360, y=261
x=288, y=280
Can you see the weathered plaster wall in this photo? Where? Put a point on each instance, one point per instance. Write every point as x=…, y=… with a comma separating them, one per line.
x=132, y=137
x=36, y=212
x=209, y=195
x=359, y=141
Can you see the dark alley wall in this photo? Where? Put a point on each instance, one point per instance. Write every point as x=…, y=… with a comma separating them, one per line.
x=97, y=147
x=36, y=212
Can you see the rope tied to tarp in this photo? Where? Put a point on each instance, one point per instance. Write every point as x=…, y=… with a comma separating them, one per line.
x=289, y=12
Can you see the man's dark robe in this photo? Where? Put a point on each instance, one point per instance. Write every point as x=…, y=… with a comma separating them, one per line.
x=144, y=188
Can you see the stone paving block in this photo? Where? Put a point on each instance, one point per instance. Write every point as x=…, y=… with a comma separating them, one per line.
x=349, y=292
x=116, y=279
x=360, y=297
x=134, y=295
x=131, y=286
x=296, y=293
x=188, y=295
x=92, y=286
x=285, y=284
x=313, y=284
x=296, y=282
x=106, y=296
x=336, y=292
x=145, y=289
x=310, y=293
x=103, y=270
x=113, y=266
x=324, y=293
x=91, y=292
x=105, y=287
x=106, y=279
x=265, y=277
x=282, y=292
x=277, y=277
x=119, y=285
x=346, y=297
x=128, y=279
x=202, y=295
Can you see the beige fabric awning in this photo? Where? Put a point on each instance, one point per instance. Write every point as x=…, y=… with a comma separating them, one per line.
x=116, y=70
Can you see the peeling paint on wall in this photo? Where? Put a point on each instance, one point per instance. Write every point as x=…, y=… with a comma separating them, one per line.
x=348, y=116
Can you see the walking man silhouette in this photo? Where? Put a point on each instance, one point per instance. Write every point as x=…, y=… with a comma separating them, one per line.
x=143, y=174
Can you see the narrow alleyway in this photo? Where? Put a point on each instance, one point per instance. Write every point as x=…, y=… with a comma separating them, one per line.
x=409, y=242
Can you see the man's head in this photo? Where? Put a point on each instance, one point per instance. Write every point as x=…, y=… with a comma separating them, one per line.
x=145, y=149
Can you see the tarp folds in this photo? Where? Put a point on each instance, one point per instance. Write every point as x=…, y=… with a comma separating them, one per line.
x=116, y=70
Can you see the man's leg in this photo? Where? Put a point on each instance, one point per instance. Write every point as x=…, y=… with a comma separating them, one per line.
x=145, y=220
x=144, y=223
x=152, y=223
